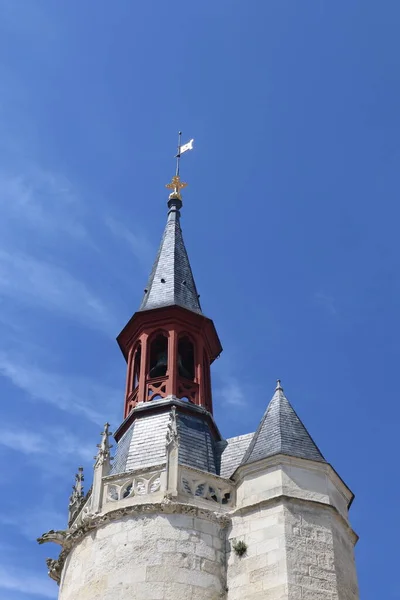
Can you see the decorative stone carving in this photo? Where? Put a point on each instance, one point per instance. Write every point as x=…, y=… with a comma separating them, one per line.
x=77, y=489
x=84, y=512
x=172, y=454
x=172, y=437
x=101, y=469
x=104, y=447
x=54, y=569
x=77, y=497
x=57, y=537
x=139, y=485
x=207, y=488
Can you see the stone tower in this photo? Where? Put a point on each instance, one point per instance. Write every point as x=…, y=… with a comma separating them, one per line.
x=181, y=513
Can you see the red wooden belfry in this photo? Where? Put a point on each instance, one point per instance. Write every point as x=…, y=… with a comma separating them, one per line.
x=169, y=344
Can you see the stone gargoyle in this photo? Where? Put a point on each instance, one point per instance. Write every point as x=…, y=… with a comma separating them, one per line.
x=58, y=537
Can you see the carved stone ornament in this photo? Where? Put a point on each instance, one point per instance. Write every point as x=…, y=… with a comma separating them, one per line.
x=77, y=497
x=104, y=447
x=172, y=429
x=207, y=489
x=57, y=537
x=54, y=569
x=139, y=485
x=77, y=488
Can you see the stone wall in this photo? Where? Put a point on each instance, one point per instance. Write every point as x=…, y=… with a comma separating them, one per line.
x=291, y=514
x=261, y=573
x=295, y=550
x=157, y=557
x=320, y=558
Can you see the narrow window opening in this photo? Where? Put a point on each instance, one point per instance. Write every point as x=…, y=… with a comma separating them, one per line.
x=136, y=367
x=158, y=356
x=186, y=358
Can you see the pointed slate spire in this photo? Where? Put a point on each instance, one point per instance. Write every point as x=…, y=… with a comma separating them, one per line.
x=171, y=281
x=281, y=432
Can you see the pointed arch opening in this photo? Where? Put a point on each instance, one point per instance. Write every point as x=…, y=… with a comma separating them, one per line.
x=157, y=367
x=137, y=360
x=188, y=388
x=158, y=355
x=186, y=360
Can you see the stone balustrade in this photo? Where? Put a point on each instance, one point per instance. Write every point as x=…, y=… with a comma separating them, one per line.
x=200, y=485
x=194, y=486
x=129, y=485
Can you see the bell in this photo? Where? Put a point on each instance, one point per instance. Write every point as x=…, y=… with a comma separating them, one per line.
x=183, y=372
x=160, y=368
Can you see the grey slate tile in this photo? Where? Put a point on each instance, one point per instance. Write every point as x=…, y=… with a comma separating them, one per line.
x=233, y=454
x=281, y=432
x=143, y=445
x=171, y=280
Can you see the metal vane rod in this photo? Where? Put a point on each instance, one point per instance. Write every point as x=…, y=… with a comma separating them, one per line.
x=176, y=184
x=178, y=156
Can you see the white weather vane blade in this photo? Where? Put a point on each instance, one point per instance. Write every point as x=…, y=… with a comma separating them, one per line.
x=185, y=147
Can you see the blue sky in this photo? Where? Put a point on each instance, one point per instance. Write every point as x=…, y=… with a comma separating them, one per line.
x=291, y=223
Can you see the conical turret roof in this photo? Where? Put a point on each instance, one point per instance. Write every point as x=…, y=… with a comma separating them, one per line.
x=281, y=432
x=171, y=281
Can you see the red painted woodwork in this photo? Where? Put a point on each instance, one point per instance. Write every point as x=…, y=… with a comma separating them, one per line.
x=169, y=352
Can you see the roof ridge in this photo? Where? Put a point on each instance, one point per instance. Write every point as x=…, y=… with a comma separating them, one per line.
x=304, y=427
x=249, y=450
x=191, y=289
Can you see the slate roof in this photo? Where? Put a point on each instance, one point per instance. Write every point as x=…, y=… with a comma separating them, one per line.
x=233, y=454
x=281, y=432
x=143, y=445
x=171, y=280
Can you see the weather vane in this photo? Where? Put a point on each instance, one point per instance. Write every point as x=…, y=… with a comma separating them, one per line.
x=176, y=184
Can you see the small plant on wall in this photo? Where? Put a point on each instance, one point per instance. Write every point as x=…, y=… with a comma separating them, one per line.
x=239, y=547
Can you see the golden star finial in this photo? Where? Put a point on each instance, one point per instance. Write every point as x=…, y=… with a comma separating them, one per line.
x=176, y=185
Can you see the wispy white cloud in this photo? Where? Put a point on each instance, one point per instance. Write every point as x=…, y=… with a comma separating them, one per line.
x=37, y=283
x=41, y=201
x=56, y=442
x=76, y=395
x=23, y=441
x=138, y=243
x=27, y=582
x=32, y=522
x=230, y=392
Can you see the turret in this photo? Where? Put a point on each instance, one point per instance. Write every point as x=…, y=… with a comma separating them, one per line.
x=180, y=512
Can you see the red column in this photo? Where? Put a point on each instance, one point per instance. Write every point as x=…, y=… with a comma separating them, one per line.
x=206, y=384
x=129, y=374
x=200, y=400
x=172, y=383
x=143, y=368
x=209, y=389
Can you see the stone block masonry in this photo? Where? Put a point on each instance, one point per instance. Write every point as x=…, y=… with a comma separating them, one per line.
x=295, y=551
x=320, y=554
x=154, y=557
x=262, y=571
